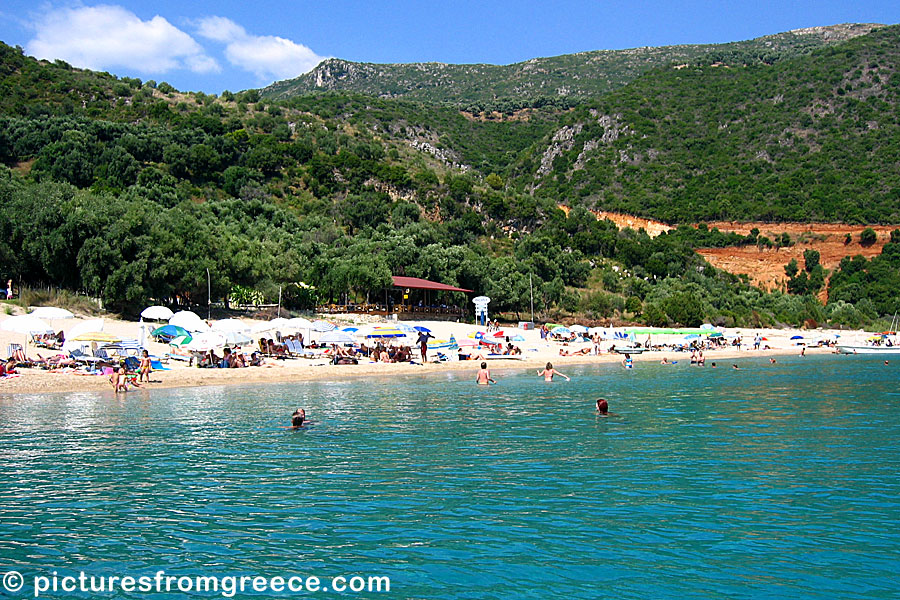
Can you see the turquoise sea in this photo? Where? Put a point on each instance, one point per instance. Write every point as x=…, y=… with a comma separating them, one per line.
x=772, y=481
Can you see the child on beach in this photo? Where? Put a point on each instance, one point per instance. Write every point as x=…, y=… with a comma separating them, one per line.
x=145, y=367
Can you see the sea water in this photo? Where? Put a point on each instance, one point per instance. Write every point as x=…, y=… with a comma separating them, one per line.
x=772, y=481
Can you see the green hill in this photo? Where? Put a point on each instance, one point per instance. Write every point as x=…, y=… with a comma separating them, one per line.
x=813, y=138
x=560, y=80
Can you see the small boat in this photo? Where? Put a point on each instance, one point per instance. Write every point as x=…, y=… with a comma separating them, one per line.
x=628, y=349
x=867, y=349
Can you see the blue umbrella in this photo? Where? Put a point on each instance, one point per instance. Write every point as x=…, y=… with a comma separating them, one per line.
x=797, y=337
x=422, y=329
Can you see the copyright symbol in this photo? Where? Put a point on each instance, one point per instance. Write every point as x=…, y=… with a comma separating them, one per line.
x=13, y=581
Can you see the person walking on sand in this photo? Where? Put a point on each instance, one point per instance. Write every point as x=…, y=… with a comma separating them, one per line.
x=549, y=372
x=483, y=377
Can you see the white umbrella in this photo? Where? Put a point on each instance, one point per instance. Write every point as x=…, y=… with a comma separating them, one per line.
x=206, y=341
x=26, y=324
x=85, y=327
x=276, y=323
x=230, y=325
x=157, y=313
x=322, y=326
x=189, y=320
x=51, y=312
x=300, y=323
x=336, y=337
x=579, y=328
x=236, y=338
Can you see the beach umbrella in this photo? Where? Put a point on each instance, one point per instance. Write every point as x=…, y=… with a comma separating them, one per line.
x=336, y=336
x=579, y=328
x=691, y=336
x=26, y=324
x=157, y=313
x=236, y=338
x=230, y=325
x=205, y=341
x=299, y=323
x=467, y=342
x=181, y=340
x=322, y=326
x=97, y=336
x=170, y=330
x=718, y=335
x=279, y=323
x=350, y=329
x=52, y=313
x=444, y=344
x=385, y=332
x=518, y=338
x=796, y=337
x=85, y=327
x=707, y=326
x=189, y=320
x=421, y=329
x=560, y=330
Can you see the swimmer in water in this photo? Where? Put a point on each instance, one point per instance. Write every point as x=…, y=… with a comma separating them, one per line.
x=628, y=362
x=772, y=361
x=483, y=377
x=298, y=418
x=549, y=372
x=603, y=408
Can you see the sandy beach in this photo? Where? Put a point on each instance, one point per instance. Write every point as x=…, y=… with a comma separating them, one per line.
x=535, y=354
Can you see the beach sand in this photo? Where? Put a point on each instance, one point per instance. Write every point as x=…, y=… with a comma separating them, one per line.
x=536, y=353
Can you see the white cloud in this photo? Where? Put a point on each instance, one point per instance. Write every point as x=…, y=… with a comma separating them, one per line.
x=266, y=56
x=104, y=36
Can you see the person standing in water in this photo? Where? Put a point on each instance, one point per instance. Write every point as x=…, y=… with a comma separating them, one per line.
x=628, y=362
x=483, y=377
x=549, y=372
x=298, y=418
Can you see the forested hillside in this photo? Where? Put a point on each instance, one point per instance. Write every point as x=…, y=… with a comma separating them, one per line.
x=131, y=190
x=560, y=81
x=815, y=138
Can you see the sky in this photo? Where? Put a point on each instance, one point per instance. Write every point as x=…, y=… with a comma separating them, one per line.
x=236, y=45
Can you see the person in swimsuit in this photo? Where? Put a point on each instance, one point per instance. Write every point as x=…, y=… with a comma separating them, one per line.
x=145, y=368
x=483, y=377
x=298, y=418
x=628, y=362
x=549, y=372
x=602, y=406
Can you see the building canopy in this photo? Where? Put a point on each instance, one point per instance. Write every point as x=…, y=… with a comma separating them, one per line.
x=423, y=284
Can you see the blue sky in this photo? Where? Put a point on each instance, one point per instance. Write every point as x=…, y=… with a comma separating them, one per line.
x=235, y=45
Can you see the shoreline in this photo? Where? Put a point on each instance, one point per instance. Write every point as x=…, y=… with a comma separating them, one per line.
x=38, y=381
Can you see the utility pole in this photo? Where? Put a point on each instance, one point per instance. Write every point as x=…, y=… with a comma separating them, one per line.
x=208, y=295
x=531, y=291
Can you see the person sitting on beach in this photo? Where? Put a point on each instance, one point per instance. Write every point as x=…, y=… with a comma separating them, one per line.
x=7, y=368
x=384, y=357
x=256, y=359
x=298, y=418
x=483, y=377
x=145, y=367
x=549, y=372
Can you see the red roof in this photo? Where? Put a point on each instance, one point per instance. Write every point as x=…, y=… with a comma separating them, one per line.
x=424, y=284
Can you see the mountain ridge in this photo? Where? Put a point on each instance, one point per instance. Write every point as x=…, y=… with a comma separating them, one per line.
x=564, y=79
